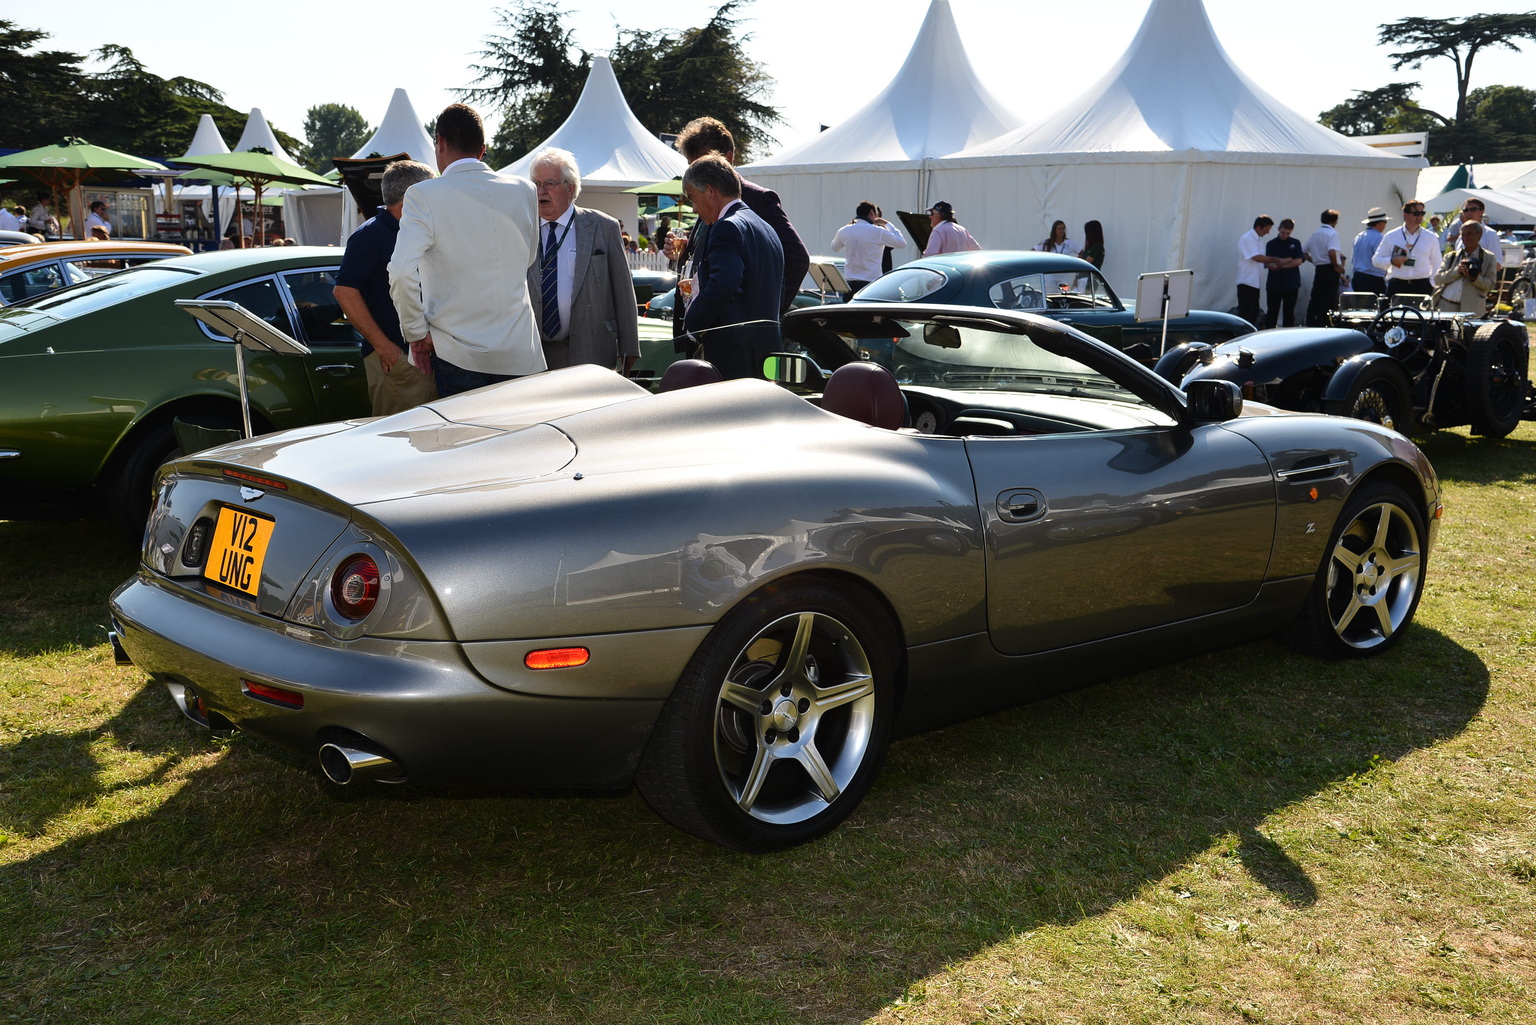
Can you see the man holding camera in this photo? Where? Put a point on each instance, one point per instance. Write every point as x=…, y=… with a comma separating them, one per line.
x=1467, y=273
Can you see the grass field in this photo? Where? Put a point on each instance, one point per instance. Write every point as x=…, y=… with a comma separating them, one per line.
x=1247, y=836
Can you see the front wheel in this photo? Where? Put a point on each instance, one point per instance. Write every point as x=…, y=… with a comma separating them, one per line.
x=1497, y=363
x=1369, y=584
x=779, y=724
x=1380, y=396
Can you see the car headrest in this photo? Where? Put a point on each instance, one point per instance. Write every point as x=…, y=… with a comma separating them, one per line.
x=865, y=392
x=686, y=373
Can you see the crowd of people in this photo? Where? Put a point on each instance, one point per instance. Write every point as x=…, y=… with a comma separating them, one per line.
x=1458, y=272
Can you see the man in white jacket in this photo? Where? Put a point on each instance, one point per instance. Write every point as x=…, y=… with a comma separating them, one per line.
x=459, y=273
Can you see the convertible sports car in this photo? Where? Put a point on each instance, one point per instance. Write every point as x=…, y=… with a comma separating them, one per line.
x=96, y=374
x=1064, y=288
x=734, y=595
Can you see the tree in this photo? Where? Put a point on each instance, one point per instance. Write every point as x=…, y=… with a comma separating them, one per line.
x=533, y=75
x=1382, y=111
x=529, y=77
x=1504, y=117
x=42, y=90
x=1458, y=40
x=333, y=130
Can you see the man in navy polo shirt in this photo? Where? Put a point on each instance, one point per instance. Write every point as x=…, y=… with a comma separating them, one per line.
x=362, y=289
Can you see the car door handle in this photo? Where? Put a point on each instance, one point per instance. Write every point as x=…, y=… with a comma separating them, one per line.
x=1063, y=320
x=336, y=369
x=1020, y=505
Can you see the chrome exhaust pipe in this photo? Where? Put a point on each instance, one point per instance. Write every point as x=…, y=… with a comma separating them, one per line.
x=119, y=653
x=346, y=765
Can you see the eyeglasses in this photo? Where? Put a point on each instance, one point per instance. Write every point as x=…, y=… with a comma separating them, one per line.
x=550, y=184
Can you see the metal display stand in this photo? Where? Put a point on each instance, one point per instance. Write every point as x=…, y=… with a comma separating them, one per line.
x=829, y=278
x=1166, y=291
x=248, y=331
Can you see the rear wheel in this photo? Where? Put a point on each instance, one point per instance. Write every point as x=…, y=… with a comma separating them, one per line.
x=1497, y=364
x=131, y=487
x=1368, y=586
x=779, y=724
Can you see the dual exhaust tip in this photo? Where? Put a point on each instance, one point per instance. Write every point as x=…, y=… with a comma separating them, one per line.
x=346, y=765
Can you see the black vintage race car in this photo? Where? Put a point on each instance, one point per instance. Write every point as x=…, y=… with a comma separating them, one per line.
x=1403, y=364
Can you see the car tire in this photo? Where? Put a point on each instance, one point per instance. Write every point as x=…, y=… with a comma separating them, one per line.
x=777, y=728
x=1378, y=395
x=131, y=486
x=1497, y=364
x=1368, y=586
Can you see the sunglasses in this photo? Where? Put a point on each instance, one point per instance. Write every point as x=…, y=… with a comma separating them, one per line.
x=1419, y=211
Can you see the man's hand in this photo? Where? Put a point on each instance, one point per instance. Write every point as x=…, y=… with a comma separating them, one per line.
x=389, y=354
x=421, y=354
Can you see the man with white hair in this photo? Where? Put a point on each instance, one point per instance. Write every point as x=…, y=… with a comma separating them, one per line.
x=583, y=294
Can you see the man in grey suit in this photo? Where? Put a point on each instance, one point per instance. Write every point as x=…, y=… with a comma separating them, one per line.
x=458, y=275
x=585, y=298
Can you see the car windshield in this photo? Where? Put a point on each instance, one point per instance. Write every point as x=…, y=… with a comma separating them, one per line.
x=904, y=285
x=974, y=358
x=98, y=293
x=1052, y=292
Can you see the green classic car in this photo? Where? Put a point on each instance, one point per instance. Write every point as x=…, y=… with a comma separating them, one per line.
x=93, y=377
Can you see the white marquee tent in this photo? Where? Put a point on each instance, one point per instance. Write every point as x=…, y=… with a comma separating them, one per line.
x=934, y=105
x=613, y=149
x=1174, y=150
x=320, y=216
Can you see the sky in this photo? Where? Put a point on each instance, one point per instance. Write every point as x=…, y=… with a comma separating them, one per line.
x=827, y=59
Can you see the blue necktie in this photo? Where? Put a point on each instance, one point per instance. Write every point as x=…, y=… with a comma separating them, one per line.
x=551, y=289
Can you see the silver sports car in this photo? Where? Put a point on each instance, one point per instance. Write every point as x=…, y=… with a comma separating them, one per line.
x=733, y=595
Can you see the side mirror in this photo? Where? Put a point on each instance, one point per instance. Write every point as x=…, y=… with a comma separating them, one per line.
x=1213, y=401
x=793, y=370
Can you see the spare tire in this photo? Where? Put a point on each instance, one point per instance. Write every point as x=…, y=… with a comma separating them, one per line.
x=1497, y=368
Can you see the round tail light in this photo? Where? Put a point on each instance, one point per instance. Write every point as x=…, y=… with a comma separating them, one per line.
x=355, y=587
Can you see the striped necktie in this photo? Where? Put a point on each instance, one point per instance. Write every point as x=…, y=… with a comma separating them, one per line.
x=551, y=287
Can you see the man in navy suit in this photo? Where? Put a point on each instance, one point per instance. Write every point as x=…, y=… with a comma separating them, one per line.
x=734, y=312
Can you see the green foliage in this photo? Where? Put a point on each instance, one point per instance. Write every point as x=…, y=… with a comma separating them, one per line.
x=1458, y=40
x=1380, y=112
x=333, y=130
x=41, y=89
x=533, y=75
x=1505, y=117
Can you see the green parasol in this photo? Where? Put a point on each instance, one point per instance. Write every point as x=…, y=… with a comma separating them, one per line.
x=70, y=164
x=256, y=168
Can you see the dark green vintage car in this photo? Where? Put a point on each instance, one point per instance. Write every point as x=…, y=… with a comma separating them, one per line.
x=93, y=377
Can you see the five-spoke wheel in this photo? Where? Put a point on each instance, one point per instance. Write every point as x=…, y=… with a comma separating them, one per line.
x=780, y=722
x=1369, y=585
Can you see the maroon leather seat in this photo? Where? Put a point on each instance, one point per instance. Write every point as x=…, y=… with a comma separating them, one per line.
x=865, y=392
x=686, y=373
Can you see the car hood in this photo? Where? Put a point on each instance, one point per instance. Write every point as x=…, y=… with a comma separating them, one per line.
x=522, y=430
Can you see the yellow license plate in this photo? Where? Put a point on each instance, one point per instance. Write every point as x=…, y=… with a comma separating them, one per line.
x=239, y=548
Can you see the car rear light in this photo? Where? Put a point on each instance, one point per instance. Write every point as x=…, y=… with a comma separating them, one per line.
x=556, y=658
x=355, y=587
x=267, y=692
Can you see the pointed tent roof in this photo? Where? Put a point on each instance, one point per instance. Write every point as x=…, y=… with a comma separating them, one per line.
x=934, y=105
x=610, y=144
x=259, y=133
x=207, y=138
x=401, y=131
x=1176, y=90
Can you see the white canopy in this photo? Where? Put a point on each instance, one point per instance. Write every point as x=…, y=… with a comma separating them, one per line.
x=1174, y=151
x=401, y=131
x=1500, y=206
x=206, y=139
x=615, y=151
x=935, y=105
x=1512, y=174
x=259, y=133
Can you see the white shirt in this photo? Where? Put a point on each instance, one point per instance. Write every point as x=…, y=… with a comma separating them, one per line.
x=1326, y=237
x=865, y=242
x=565, y=263
x=1249, y=272
x=95, y=220
x=1422, y=247
x=9, y=221
x=1494, y=245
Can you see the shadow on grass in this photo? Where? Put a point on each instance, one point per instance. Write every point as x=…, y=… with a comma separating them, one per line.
x=253, y=893
x=1467, y=458
x=53, y=591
